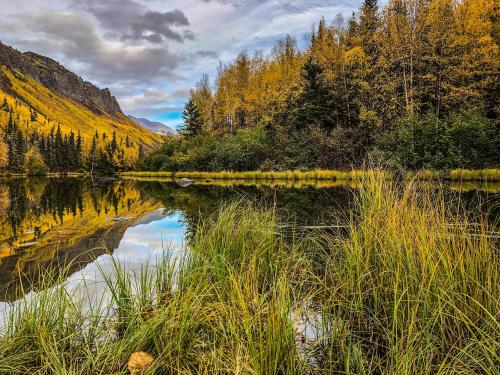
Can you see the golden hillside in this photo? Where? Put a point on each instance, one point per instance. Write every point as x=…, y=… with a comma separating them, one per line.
x=26, y=95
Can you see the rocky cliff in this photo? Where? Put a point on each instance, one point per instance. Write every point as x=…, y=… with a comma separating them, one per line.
x=58, y=79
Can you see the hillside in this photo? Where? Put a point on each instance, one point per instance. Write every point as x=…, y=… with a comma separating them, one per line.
x=154, y=126
x=39, y=95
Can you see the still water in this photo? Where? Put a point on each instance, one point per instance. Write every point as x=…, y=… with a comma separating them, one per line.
x=47, y=224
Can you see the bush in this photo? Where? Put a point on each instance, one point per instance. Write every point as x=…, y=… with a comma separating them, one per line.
x=244, y=150
x=458, y=141
x=34, y=164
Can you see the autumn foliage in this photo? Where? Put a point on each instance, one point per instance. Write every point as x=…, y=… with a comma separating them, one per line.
x=346, y=95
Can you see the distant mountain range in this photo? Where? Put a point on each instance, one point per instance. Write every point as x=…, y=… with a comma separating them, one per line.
x=156, y=127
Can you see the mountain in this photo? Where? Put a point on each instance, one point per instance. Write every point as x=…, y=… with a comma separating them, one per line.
x=156, y=127
x=40, y=94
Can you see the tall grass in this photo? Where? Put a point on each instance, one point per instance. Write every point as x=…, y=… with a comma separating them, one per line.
x=411, y=289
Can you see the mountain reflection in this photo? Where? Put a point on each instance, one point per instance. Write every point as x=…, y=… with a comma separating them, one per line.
x=48, y=223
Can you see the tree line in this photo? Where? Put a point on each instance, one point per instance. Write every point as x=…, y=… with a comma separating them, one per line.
x=413, y=84
x=37, y=153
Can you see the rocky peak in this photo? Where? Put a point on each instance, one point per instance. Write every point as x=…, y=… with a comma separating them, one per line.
x=57, y=78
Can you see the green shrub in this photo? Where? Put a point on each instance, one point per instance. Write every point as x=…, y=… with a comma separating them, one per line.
x=459, y=141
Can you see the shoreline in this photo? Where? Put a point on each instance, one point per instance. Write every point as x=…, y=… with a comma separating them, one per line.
x=327, y=175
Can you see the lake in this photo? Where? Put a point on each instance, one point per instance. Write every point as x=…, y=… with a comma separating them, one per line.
x=48, y=224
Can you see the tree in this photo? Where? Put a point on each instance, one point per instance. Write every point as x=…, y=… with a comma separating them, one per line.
x=314, y=104
x=78, y=151
x=192, y=120
x=5, y=105
x=93, y=153
x=368, y=25
x=34, y=163
x=16, y=146
x=4, y=154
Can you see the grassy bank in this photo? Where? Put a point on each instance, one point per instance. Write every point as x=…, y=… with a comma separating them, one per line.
x=323, y=175
x=411, y=289
x=316, y=174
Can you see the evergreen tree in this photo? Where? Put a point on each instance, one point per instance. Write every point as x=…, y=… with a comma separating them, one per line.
x=16, y=146
x=33, y=115
x=192, y=120
x=314, y=104
x=78, y=151
x=369, y=22
x=5, y=105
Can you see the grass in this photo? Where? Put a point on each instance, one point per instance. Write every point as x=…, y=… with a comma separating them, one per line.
x=411, y=289
x=315, y=175
x=323, y=175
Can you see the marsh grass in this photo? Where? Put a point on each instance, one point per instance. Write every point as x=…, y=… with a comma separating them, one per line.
x=291, y=175
x=411, y=289
x=324, y=175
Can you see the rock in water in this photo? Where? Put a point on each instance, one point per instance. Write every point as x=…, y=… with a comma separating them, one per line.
x=139, y=362
x=185, y=182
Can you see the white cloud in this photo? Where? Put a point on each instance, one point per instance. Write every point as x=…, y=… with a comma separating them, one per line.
x=170, y=43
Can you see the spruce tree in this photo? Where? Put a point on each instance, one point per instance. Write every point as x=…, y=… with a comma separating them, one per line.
x=314, y=104
x=368, y=25
x=192, y=120
x=5, y=105
x=16, y=146
x=78, y=151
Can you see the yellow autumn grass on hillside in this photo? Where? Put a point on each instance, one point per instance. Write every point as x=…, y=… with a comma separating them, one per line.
x=53, y=110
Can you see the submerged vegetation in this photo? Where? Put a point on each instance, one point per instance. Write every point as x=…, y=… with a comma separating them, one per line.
x=410, y=287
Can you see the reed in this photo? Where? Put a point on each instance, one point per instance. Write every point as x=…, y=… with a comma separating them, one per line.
x=411, y=289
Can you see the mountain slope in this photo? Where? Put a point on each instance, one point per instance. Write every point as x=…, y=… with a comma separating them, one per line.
x=156, y=127
x=40, y=94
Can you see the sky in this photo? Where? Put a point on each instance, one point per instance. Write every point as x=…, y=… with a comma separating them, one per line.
x=149, y=53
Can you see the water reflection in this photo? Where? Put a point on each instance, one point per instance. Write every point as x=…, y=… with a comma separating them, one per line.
x=48, y=223
x=143, y=244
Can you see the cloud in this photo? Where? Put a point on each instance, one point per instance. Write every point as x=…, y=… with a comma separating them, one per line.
x=150, y=97
x=181, y=93
x=133, y=21
x=158, y=114
x=209, y=54
x=77, y=39
x=113, y=14
x=155, y=27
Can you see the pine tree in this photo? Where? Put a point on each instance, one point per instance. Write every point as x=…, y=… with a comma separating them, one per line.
x=78, y=151
x=314, y=104
x=368, y=25
x=93, y=153
x=33, y=115
x=16, y=146
x=192, y=120
x=5, y=105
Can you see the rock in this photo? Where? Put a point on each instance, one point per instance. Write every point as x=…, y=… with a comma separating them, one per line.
x=185, y=182
x=139, y=362
x=57, y=78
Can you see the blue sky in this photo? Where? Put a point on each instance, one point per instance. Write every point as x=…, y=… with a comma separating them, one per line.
x=151, y=52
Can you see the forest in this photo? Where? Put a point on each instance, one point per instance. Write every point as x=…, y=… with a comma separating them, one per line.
x=33, y=152
x=412, y=85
